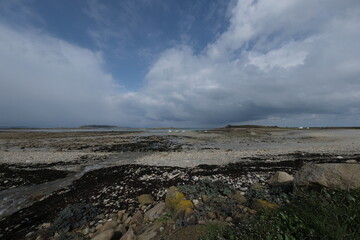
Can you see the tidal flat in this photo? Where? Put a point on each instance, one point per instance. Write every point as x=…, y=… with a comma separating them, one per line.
x=43, y=172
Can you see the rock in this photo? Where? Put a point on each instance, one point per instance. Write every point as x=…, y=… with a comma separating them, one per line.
x=257, y=187
x=125, y=217
x=173, y=197
x=105, y=227
x=86, y=231
x=195, y=202
x=332, y=175
x=106, y=235
x=145, y=199
x=155, y=212
x=184, y=209
x=211, y=215
x=239, y=197
x=121, y=228
x=252, y=211
x=205, y=198
x=280, y=178
x=28, y=235
x=137, y=218
x=129, y=235
x=127, y=221
x=351, y=161
x=228, y=219
x=239, y=216
x=98, y=226
x=151, y=231
x=45, y=225
x=120, y=214
x=113, y=216
x=260, y=204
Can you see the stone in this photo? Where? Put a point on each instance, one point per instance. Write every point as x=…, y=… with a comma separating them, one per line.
x=240, y=216
x=121, y=228
x=351, y=161
x=239, y=197
x=105, y=227
x=129, y=235
x=45, y=225
x=145, y=199
x=151, y=231
x=195, y=202
x=259, y=204
x=280, y=178
x=184, y=209
x=137, y=218
x=155, y=212
x=211, y=215
x=257, y=187
x=173, y=197
x=228, y=219
x=120, y=214
x=86, y=231
x=113, y=216
x=252, y=211
x=332, y=175
x=106, y=235
x=205, y=198
x=127, y=221
x=28, y=235
x=125, y=217
x=98, y=226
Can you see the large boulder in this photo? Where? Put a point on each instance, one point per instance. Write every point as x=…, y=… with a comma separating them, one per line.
x=280, y=178
x=332, y=175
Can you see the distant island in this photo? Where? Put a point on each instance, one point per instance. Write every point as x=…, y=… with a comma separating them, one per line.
x=97, y=126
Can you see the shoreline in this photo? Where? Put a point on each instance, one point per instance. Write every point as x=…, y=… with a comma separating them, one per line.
x=130, y=164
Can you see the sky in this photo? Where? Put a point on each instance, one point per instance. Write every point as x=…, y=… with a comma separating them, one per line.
x=172, y=63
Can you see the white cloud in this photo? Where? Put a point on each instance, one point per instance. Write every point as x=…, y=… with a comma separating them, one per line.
x=277, y=59
x=285, y=57
x=46, y=81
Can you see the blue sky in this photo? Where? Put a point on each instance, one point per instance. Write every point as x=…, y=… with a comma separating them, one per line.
x=179, y=63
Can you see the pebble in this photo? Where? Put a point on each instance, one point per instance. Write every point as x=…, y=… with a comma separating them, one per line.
x=86, y=231
x=28, y=235
x=120, y=214
x=98, y=226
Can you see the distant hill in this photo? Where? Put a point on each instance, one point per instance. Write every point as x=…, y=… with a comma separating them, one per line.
x=97, y=126
x=249, y=126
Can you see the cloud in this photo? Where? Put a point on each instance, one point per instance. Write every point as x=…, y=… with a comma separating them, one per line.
x=49, y=82
x=282, y=62
x=278, y=59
